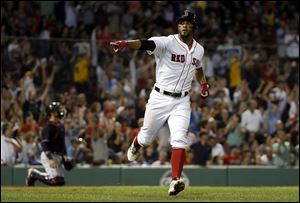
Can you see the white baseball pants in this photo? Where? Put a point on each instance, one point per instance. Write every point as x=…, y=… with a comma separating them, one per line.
x=163, y=108
x=52, y=172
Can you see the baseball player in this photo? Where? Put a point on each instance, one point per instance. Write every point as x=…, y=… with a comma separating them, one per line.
x=53, y=146
x=178, y=58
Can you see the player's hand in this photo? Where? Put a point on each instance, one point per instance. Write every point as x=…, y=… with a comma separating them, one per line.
x=119, y=45
x=52, y=163
x=204, y=90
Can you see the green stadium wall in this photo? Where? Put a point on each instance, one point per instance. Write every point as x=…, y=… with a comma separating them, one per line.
x=194, y=176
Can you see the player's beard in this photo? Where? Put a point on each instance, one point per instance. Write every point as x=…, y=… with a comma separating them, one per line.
x=186, y=36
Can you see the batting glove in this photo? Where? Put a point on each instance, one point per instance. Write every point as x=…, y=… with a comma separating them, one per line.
x=119, y=45
x=204, y=90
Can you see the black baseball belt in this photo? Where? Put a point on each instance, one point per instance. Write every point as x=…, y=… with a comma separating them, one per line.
x=172, y=94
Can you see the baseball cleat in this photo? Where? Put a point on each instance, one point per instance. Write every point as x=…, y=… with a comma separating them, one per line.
x=176, y=186
x=30, y=178
x=132, y=153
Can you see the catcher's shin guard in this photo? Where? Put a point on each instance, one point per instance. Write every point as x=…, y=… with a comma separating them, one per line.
x=43, y=177
x=57, y=181
x=30, y=179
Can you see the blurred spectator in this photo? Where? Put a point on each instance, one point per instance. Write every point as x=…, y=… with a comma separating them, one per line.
x=99, y=147
x=252, y=121
x=234, y=157
x=208, y=64
x=78, y=150
x=268, y=72
x=81, y=67
x=217, y=151
x=209, y=127
x=115, y=142
x=97, y=138
x=150, y=154
x=235, y=135
x=221, y=120
x=71, y=13
x=291, y=39
x=196, y=117
x=267, y=159
x=281, y=147
x=235, y=73
x=10, y=147
x=242, y=93
x=201, y=150
x=29, y=149
x=275, y=110
x=162, y=159
x=189, y=157
x=249, y=71
x=278, y=127
x=247, y=158
x=163, y=135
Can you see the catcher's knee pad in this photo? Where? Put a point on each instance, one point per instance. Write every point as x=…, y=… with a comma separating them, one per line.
x=57, y=181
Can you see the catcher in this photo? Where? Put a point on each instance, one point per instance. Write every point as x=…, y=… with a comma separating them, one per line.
x=53, y=157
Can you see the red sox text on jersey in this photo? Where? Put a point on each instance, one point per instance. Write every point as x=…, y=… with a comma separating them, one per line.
x=181, y=58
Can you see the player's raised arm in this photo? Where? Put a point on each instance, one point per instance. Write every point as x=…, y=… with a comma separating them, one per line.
x=142, y=44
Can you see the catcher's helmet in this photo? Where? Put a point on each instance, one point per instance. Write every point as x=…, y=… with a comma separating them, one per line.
x=55, y=107
x=189, y=16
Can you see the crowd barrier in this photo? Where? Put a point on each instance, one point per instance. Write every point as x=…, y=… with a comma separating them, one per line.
x=193, y=176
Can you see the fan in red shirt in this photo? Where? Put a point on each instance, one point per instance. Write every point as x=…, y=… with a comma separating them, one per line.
x=234, y=158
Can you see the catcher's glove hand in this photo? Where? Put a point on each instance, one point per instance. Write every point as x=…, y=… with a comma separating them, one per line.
x=68, y=163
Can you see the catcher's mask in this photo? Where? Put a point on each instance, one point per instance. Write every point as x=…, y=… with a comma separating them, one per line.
x=55, y=107
x=188, y=16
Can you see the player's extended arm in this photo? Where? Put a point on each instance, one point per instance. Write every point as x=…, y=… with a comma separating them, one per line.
x=200, y=76
x=134, y=44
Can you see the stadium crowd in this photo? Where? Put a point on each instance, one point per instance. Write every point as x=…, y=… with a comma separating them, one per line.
x=60, y=51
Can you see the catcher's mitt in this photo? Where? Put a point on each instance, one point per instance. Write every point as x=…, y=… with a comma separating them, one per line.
x=68, y=163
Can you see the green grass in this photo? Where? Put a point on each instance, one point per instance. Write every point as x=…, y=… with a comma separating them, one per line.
x=147, y=193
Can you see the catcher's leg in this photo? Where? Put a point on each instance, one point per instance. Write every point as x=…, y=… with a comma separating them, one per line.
x=57, y=181
x=30, y=179
x=52, y=172
x=44, y=178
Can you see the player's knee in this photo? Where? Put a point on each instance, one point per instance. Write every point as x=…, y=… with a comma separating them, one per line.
x=143, y=141
x=179, y=143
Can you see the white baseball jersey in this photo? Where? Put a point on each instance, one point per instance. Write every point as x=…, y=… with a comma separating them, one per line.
x=175, y=68
x=175, y=63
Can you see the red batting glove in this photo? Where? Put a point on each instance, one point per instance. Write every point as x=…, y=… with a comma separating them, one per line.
x=119, y=45
x=204, y=91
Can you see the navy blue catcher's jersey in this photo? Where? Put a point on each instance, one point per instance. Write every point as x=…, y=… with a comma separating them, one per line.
x=53, y=138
